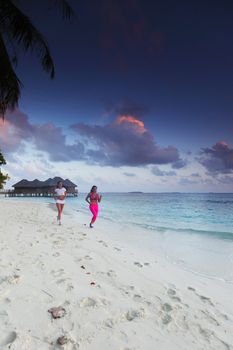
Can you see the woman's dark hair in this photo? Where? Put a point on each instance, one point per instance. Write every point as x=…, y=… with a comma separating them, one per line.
x=92, y=189
x=58, y=183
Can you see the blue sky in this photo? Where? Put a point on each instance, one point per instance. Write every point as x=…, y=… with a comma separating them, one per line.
x=165, y=64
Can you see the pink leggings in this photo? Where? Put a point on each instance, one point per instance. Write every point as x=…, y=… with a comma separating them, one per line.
x=94, y=209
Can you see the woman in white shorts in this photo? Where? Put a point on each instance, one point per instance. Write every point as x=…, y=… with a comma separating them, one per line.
x=59, y=196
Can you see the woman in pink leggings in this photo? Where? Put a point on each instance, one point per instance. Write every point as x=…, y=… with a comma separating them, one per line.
x=93, y=198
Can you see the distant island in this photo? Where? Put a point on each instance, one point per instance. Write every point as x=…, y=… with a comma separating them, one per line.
x=135, y=192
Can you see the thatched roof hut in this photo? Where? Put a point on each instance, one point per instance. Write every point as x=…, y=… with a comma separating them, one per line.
x=43, y=188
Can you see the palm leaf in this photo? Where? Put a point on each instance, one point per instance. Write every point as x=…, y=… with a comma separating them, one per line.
x=16, y=27
x=9, y=83
x=21, y=30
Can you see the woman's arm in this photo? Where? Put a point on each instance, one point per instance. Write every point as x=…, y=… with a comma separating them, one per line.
x=100, y=197
x=87, y=197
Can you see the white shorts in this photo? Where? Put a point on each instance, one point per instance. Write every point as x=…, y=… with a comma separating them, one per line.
x=60, y=201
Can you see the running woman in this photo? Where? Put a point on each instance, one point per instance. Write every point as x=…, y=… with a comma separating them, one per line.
x=93, y=198
x=59, y=196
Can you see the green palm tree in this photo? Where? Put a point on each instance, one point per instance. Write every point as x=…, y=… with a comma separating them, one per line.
x=16, y=29
x=3, y=177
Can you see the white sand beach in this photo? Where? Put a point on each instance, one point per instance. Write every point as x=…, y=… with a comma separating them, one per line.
x=116, y=295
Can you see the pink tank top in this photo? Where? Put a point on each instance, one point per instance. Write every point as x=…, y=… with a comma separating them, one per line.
x=94, y=196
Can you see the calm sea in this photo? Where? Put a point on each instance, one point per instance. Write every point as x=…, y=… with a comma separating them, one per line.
x=195, y=231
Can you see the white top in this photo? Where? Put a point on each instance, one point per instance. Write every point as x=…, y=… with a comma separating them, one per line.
x=60, y=191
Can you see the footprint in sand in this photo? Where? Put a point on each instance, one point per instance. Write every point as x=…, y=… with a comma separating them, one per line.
x=118, y=249
x=69, y=287
x=138, y=264
x=57, y=273
x=205, y=314
x=166, y=319
x=87, y=257
x=56, y=254
x=62, y=280
x=10, y=338
x=112, y=273
x=203, y=298
x=135, y=314
x=172, y=294
x=109, y=323
x=91, y=302
x=103, y=243
x=137, y=297
x=4, y=317
x=14, y=279
x=16, y=341
x=166, y=307
x=192, y=289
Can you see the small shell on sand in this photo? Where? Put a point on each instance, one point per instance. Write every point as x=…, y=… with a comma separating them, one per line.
x=57, y=312
x=62, y=340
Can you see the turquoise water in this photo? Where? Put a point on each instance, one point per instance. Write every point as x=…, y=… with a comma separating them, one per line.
x=194, y=231
x=210, y=214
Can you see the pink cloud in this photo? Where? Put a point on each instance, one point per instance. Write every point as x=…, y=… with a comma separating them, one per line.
x=17, y=129
x=125, y=141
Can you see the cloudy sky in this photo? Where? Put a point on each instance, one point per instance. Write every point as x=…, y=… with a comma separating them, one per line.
x=142, y=98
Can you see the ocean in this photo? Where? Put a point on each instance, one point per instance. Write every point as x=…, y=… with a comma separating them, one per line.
x=192, y=230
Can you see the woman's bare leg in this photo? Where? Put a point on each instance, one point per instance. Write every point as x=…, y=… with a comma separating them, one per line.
x=59, y=211
x=61, y=206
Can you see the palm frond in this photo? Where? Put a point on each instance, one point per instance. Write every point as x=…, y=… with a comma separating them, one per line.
x=16, y=27
x=9, y=83
x=20, y=29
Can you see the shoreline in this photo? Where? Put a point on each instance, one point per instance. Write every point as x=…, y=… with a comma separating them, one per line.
x=139, y=300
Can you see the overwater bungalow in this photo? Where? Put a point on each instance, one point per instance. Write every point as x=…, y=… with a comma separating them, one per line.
x=37, y=188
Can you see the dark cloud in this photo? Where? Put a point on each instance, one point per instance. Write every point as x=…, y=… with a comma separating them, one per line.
x=217, y=159
x=180, y=163
x=51, y=139
x=17, y=129
x=157, y=172
x=125, y=141
x=226, y=180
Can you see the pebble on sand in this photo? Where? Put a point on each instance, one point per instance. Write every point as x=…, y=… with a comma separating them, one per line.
x=57, y=312
x=62, y=340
